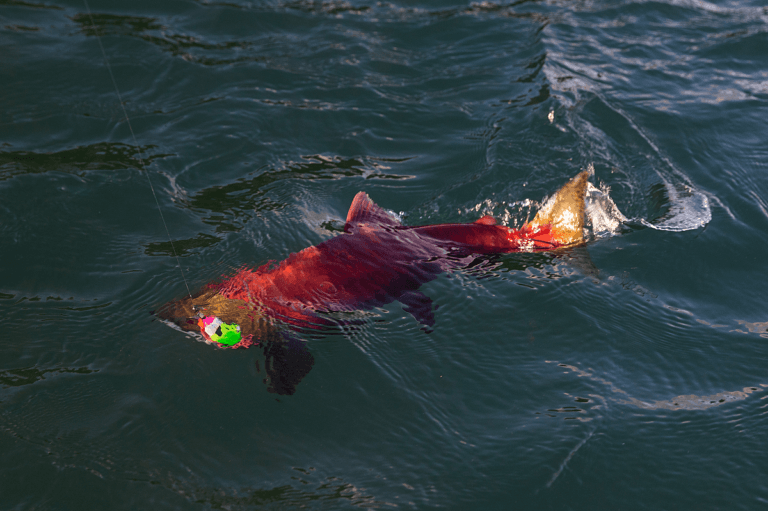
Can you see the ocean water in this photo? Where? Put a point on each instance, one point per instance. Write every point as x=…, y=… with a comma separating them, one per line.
x=628, y=373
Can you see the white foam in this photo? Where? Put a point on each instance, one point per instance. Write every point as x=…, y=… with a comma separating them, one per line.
x=688, y=210
x=602, y=214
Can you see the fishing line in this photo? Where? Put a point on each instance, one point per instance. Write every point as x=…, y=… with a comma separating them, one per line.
x=135, y=143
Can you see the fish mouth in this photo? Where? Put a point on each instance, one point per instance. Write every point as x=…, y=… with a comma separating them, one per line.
x=183, y=313
x=186, y=313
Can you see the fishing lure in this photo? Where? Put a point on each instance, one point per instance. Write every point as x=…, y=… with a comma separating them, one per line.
x=218, y=331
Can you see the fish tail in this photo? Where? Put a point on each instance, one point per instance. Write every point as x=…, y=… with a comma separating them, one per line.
x=563, y=213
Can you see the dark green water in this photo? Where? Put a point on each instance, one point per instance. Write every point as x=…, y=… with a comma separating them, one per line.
x=627, y=375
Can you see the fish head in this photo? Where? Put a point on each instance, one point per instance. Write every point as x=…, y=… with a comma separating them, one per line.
x=186, y=313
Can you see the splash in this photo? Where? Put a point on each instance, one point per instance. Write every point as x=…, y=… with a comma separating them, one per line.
x=685, y=209
x=688, y=209
x=602, y=215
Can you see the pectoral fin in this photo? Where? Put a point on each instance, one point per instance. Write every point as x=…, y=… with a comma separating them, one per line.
x=419, y=306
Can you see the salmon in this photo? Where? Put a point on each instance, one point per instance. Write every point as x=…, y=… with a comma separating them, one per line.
x=377, y=260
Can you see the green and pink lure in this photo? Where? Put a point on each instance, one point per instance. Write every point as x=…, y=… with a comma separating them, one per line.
x=218, y=331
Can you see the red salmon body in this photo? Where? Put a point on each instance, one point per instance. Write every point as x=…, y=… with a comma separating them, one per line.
x=375, y=261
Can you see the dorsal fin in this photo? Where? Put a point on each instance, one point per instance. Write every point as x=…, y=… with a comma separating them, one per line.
x=486, y=220
x=364, y=210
